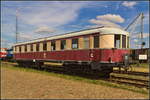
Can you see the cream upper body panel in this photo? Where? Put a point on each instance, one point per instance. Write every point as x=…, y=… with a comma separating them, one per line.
x=111, y=30
x=101, y=30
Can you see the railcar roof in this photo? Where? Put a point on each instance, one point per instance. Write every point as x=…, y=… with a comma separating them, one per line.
x=101, y=30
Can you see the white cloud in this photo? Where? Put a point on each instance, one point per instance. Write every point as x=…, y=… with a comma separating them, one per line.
x=41, y=18
x=92, y=26
x=53, y=15
x=32, y=35
x=103, y=23
x=24, y=36
x=6, y=43
x=44, y=29
x=105, y=20
x=129, y=3
x=111, y=17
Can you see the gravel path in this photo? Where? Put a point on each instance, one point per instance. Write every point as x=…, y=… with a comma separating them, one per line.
x=20, y=84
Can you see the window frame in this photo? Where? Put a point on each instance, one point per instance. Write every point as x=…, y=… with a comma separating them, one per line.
x=31, y=47
x=25, y=48
x=19, y=49
x=37, y=47
x=86, y=41
x=115, y=40
x=96, y=43
x=63, y=44
x=77, y=42
x=53, y=42
x=128, y=41
x=124, y=41
x=44, y=46
x=15, y=50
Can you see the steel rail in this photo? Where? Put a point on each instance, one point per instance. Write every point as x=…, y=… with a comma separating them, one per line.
x=130, y=83
x=132, y=73
x=131, y=79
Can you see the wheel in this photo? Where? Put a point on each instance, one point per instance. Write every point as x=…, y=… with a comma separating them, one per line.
x=38, y=65
x=20, y=64
x=104, y=75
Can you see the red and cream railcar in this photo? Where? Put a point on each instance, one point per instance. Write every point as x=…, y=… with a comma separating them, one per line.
x=101, y=48
x=3, y=53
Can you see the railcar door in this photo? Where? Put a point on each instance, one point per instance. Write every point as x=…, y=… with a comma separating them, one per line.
x=95, y=53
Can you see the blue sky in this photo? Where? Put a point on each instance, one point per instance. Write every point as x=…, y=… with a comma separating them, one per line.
x=37, y=19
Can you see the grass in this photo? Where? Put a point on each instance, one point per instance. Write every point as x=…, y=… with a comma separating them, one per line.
x=77, y=78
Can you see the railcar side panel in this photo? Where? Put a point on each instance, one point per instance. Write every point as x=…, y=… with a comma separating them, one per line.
x=98, y=55
x=113, y=55
x=77, y=55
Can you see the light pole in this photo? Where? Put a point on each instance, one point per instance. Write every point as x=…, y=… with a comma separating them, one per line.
x=17, y=25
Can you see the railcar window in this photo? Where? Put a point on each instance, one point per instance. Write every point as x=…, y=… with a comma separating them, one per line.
x=96, y=41
x=63, y=44
x=15, y=49
x=19, y=48
x=37, y=47
x=25, y=48
x=53, y=45
x=44, y=46
x=117, y=41
x=86, y=42
x=31, y=47
x=127, y=42
x=123, y=41
x=74, y=43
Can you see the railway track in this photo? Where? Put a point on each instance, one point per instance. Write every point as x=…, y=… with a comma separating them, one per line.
x=132, y=73
x=130, y=81
x=114, y=79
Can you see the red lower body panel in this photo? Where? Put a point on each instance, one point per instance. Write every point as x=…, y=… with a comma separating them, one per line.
x=101, y=55
x=79, y=55
x=104, y=55
x=3, y=54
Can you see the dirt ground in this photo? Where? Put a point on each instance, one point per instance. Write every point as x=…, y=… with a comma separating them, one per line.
x=21, y=84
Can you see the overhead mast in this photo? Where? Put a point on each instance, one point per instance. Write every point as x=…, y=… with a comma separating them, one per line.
x=142, y=17
x=16, y=25
x=133, y=26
